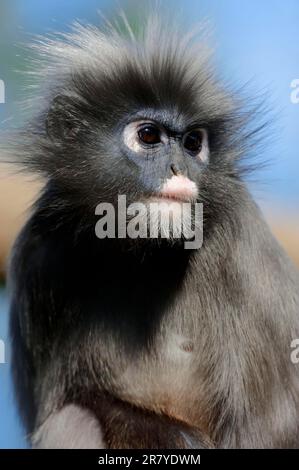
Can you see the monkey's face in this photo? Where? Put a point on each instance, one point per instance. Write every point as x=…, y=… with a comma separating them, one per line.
x=164, y=158
x=169, y=156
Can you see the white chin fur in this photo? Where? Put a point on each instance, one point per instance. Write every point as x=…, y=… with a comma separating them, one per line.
x=167, y=218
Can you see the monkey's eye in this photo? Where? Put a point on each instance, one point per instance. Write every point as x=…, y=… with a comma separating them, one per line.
x=193, y=140
x=149, y=134
x=142, y=136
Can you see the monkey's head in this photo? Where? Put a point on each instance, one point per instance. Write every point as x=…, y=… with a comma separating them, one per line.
x=141, y=117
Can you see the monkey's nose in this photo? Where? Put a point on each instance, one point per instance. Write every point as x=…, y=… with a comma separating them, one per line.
x=179, y=187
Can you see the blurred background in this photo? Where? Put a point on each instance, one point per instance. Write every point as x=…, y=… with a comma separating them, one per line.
x=256, y=44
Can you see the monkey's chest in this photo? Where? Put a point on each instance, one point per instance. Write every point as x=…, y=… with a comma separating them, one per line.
x=167, y=380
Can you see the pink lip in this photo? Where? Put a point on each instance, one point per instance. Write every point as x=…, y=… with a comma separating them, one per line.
x=179, y=188
x=171, y=199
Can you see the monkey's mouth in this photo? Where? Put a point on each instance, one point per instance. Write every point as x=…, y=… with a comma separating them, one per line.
x=178, y=189
x=159, y=198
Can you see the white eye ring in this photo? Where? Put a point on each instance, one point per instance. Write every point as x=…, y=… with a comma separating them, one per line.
x=205, y=150
x=131, y=137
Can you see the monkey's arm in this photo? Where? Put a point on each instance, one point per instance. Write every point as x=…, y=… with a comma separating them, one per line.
x=120, y=426
x=72, y=427
x=130, y=427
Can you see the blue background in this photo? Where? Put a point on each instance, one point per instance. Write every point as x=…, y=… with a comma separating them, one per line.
x=256, y=41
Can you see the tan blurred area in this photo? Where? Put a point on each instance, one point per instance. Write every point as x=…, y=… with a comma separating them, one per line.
x=17, y=193
x=16, y=196
x=286, y=230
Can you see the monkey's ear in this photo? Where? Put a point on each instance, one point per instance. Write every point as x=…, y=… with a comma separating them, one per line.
x=62, y=121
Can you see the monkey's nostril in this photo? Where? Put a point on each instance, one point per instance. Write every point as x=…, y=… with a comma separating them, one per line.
x=174, y=169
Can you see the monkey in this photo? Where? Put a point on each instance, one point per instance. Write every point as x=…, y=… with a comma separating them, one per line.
x=142, y=343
